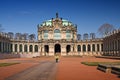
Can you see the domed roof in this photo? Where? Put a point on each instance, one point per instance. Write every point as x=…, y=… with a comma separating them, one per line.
x=49, y=23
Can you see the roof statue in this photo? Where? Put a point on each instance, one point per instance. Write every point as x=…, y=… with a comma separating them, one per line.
x=56, y=15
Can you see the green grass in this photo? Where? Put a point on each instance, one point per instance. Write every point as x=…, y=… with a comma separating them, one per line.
x=96, y=63
x=7, y=64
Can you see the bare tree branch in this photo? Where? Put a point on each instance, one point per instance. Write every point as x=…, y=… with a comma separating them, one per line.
x=105, y=29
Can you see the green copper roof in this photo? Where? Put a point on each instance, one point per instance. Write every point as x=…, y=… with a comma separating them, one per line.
x=49, y=23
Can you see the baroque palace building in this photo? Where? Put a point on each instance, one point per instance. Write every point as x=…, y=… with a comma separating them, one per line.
x=55, y=36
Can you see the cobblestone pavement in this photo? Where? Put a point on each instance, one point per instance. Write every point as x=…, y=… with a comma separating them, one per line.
x=45, y=70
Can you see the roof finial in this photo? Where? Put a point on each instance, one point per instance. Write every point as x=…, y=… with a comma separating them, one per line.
x=56, y=15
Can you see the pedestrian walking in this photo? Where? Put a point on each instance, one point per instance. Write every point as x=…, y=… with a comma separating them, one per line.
x=56, y=58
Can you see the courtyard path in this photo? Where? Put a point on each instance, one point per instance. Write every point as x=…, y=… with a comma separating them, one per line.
x=45, y=70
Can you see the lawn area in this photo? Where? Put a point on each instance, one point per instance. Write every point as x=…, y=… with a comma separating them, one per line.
x=7, y=64
x=96, y=63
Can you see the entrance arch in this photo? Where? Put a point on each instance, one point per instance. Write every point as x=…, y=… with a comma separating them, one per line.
x=57, y=48
x=46, y=49
x=68, y=48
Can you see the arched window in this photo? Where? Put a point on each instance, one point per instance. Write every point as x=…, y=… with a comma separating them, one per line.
x=84, y=48
x=93, y=47
x=25, y=48
x=11, y=47
x=68, y=34
x=45, y=34
x=36, y=48
x=101, y=47
x=46, y=48
x=89, y=47
x=15, y=47
x=57, y=34
x=20, y=47
x=78, y=48
x=68, y=48
x=98, y=47
x=31, y=48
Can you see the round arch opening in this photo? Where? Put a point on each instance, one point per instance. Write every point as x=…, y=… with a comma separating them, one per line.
x=57, y=48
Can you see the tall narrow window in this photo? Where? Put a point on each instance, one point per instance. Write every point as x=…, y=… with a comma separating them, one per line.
x=57, y=34
x=78, y=48
x=45, y=34
x=89, y=47
x=93, y=47
x=25, y=48
x=36, y=48
x=15, y=47
x=68, y=34
x=101, y=47
x=11, y=47
x=84, y=48
x=20, y=47
x=98, y=47
x=31, y=48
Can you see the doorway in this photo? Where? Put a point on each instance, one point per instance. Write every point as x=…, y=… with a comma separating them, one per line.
x=57, y=48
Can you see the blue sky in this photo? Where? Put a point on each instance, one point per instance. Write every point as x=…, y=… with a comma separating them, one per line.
x=24, y=15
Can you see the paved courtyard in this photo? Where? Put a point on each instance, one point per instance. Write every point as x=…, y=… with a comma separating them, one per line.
x=45, y=68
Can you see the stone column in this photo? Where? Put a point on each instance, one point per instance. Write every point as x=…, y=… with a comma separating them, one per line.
x=39, y=49
x=18, y=49
x=23, y=48
x=91, y=49
x=86, y=49
x=71, y=49
x=43, y=50
x=117, y=47
x=75, y=49
x=13, y=47
x=100, y=49
x=96, y=52
x=81, y=49
x=63, y=49
x=28, y=48
x=33, y=48
x=114, y=48
x=51, y=49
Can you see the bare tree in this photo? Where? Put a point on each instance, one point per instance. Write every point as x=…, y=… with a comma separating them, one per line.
x=85, y=36
x=92, y=35
x=105, y=29
x=78, y=36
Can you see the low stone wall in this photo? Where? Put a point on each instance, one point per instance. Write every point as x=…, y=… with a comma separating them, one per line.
x=109, y=68
x=29, y=55
x=19, y=55
x=7, y=56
